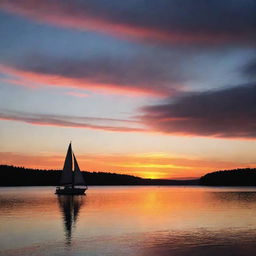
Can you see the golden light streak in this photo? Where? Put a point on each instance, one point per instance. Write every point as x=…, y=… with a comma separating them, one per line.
x=145, y=167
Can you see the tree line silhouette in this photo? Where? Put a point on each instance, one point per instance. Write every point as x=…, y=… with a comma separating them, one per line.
x=20, y=176
x=237, y=177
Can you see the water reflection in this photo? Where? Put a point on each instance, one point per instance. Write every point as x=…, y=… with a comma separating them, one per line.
x=70, y=207
x=239, y=197
x=127, y=221
x=198, y=242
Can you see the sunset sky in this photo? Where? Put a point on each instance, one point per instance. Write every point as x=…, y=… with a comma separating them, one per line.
x=157, y=89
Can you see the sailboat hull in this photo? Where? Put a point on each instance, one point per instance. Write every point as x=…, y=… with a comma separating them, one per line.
x=70, y=191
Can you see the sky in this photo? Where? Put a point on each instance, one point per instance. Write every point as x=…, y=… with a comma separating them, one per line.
x=156, y=89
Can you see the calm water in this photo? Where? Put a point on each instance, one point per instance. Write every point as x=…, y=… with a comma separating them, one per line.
x=137, y=221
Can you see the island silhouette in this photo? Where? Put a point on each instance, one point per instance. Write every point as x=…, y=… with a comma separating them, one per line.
x=236, y=177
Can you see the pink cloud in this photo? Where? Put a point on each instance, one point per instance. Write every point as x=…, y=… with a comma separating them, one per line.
x=36, y=79
x=72, y=122
x=71, y=16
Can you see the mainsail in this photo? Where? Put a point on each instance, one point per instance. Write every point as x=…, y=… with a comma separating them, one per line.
x=67, y=174
x=78, y=176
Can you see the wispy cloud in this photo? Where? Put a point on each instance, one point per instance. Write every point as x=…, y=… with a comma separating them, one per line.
x=150, y=21
x=93, y=123
x=103, y=76
x=226, y=113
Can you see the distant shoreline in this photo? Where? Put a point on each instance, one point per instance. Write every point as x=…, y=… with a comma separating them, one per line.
x=20, y=176
x=11, y=176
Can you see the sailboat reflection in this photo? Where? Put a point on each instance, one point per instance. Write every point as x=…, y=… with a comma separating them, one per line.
x=70, y=206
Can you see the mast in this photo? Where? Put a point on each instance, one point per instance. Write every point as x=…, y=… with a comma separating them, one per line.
x=67, y=173
x=73, y=176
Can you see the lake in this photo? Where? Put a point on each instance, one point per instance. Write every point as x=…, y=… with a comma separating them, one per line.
x=128, y=220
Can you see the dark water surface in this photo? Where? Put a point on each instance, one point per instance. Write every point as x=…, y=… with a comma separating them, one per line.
x=136, y=221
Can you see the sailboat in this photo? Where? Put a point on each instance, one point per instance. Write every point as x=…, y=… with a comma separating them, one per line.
x=70, y=180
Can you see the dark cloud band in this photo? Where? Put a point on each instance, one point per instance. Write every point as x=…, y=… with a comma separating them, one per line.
x=209, y=22
x=225, y=113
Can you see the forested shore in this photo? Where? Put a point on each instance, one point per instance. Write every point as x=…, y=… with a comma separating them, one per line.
x=20, y=176
x=237, y=177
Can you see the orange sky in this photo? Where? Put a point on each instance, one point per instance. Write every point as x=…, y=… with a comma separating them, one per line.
x=154, y=166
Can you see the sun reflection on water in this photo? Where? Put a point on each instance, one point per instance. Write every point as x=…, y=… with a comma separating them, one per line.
x=129, y=221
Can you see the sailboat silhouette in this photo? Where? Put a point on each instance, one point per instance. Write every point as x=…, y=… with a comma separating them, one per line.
x=69, y=178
